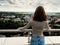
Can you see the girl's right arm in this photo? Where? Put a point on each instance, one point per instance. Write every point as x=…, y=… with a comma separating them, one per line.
x=26, y=26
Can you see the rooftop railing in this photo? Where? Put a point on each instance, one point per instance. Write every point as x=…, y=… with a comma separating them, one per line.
x=26, y=30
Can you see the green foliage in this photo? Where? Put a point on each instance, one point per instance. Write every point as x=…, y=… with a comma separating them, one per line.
x=10, y=24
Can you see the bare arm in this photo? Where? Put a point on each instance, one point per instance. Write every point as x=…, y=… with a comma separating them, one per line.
x=47, y=25
x=26, y=26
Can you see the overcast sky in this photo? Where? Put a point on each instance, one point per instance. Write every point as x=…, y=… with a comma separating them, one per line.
x=29, y=5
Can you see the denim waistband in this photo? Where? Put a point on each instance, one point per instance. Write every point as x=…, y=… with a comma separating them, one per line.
x=36, y=36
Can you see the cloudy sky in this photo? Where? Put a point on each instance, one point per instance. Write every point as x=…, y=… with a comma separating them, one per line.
x=29, y=5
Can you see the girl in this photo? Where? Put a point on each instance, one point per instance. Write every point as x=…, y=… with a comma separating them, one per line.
x=38, y=23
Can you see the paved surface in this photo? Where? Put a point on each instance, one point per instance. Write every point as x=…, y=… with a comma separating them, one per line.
x=50, y=40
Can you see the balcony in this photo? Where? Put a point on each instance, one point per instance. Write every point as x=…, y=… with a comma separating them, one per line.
x=49, y=40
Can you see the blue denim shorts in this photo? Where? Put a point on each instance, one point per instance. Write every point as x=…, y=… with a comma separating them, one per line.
x=37, y=40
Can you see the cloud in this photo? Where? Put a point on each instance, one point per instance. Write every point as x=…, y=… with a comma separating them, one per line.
x=49, y=5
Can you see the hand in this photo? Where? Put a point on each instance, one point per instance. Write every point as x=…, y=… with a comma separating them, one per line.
x=49, y=27
x=20, y=28
x=42, y=35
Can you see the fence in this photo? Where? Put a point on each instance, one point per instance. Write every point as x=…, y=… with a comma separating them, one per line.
x=26, y=30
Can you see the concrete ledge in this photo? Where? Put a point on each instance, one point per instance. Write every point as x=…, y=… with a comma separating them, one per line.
x=49, y=40
x=55, y=39
x=2, y=41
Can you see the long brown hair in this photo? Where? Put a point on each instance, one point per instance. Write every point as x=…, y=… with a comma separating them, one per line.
x=39, y=14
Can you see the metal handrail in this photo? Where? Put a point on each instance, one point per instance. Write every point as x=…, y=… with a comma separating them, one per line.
x=26, y=30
